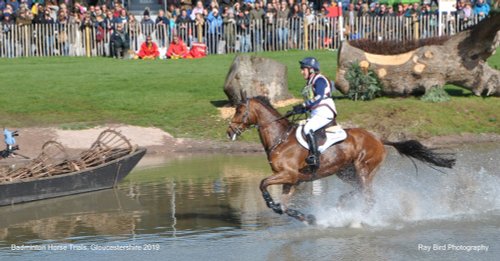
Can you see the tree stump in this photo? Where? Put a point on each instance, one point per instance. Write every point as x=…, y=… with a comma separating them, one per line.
x=256, y=76
x=459, y=59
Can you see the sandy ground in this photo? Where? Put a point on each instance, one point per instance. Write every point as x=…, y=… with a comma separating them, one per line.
x=159, y=142
x=31, y=140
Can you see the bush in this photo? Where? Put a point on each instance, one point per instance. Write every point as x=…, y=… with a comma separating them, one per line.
x=363, y=84
x=435, y=94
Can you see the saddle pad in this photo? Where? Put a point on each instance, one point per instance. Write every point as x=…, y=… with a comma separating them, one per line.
x=334, y=134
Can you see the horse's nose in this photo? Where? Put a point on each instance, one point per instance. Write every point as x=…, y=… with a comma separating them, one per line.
x=231, y=134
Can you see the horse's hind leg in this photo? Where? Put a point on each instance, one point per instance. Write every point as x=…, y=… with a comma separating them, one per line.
x=288, y=191
x=286, y=195
x=349, y=175
x=365, y=172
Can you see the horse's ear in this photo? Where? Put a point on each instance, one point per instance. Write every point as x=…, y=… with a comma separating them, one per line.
x=243, y=95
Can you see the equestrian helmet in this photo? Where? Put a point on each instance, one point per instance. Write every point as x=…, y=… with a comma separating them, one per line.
x=309, y=62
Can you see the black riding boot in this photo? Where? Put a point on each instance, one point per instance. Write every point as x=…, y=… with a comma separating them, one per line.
x=313, y=159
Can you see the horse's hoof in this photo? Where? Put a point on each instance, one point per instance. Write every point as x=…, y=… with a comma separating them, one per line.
x=277, y=208
x=311, y=220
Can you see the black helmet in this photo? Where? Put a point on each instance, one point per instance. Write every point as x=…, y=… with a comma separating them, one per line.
x=309, y=62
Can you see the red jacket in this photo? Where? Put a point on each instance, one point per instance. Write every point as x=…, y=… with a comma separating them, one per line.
x=178, y=49
x=149, y=51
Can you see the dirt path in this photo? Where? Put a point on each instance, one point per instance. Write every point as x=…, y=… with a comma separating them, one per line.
x=159, y=142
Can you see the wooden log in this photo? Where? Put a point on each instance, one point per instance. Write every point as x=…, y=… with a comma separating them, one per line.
x=459, y=60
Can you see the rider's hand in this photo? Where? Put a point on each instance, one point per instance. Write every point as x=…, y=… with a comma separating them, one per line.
x=298, y=109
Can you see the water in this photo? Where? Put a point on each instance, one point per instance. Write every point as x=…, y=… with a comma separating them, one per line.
x=210, y=208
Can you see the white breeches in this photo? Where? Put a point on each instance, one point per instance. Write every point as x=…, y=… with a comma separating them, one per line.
x=319, y=118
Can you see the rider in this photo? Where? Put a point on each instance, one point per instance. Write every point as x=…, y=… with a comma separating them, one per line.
x=317, y=100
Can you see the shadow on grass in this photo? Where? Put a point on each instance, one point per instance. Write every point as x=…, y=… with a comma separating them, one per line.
x=221, y=103
x=458, y=92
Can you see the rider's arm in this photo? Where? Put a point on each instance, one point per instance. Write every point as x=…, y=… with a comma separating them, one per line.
x=319, y=89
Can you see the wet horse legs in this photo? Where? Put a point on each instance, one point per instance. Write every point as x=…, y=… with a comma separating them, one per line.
x=274, y=180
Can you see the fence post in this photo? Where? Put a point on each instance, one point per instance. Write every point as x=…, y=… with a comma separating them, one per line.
x=416, y=28
x=87, y=40
x=200, y=33
x=341, y=23
x=306, y=35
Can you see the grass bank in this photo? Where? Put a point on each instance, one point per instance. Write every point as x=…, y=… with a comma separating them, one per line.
x=180, y=96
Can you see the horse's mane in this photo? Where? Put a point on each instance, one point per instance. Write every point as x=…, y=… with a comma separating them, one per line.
x=265, y=101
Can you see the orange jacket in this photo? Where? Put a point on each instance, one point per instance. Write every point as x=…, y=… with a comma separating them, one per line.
x=149, y=51
x=178, y=49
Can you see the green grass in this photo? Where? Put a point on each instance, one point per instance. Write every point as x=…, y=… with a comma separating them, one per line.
x=179, y=96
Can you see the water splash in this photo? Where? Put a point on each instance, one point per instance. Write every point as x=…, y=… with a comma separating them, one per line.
x=465, y=192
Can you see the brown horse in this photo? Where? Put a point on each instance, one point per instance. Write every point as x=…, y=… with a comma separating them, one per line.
x=360, y=150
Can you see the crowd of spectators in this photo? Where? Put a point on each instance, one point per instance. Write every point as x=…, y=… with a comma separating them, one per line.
x=103, y=15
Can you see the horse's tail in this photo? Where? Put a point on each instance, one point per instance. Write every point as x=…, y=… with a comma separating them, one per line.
x=415, y=149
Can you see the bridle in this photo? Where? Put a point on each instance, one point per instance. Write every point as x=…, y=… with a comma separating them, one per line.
x=239, y=129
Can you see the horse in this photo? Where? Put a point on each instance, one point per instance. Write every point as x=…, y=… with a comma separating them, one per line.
x=361, y=151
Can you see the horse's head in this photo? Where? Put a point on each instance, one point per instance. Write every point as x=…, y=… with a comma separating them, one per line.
x=242, y=119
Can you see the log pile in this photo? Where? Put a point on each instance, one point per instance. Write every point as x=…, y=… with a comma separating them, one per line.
x=54, y=159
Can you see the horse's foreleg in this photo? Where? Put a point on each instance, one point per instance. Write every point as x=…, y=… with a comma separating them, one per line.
x=277, y=179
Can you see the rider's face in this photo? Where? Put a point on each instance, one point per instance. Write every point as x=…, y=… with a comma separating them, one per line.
x=305, y=73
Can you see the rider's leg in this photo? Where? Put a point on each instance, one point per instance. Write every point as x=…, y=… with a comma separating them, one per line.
x=313, y=159
x=312, y=125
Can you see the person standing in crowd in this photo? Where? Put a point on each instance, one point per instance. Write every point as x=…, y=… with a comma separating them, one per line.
x=63, y=36
x=229, y=29
x=198, y=9
x=162, y=22
x=282, y=22
x=270, y=25
x=481, y=8
x=199, y=28
x=256, y=25
x=134, y=30
x=7, y=25
x=147, y=24
x=243, y=29
x=121, y=18
x=214, y=21
x=183, y=21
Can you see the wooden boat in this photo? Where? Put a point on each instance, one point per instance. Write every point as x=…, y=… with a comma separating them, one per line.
x=103, y=166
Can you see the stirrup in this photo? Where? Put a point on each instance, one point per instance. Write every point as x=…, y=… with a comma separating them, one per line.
x=313, y=162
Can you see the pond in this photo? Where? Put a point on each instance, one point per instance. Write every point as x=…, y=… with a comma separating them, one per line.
x=209, y=207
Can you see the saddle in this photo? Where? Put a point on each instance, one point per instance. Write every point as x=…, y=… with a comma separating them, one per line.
x=327, y=136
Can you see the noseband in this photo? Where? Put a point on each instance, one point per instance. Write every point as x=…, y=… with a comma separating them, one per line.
x=240, y=129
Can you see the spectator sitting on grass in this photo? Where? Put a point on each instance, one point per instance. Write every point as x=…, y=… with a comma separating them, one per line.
x=177, y=49
x=149, y=50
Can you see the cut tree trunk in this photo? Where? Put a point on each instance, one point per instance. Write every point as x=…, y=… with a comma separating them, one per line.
x=459, y=60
